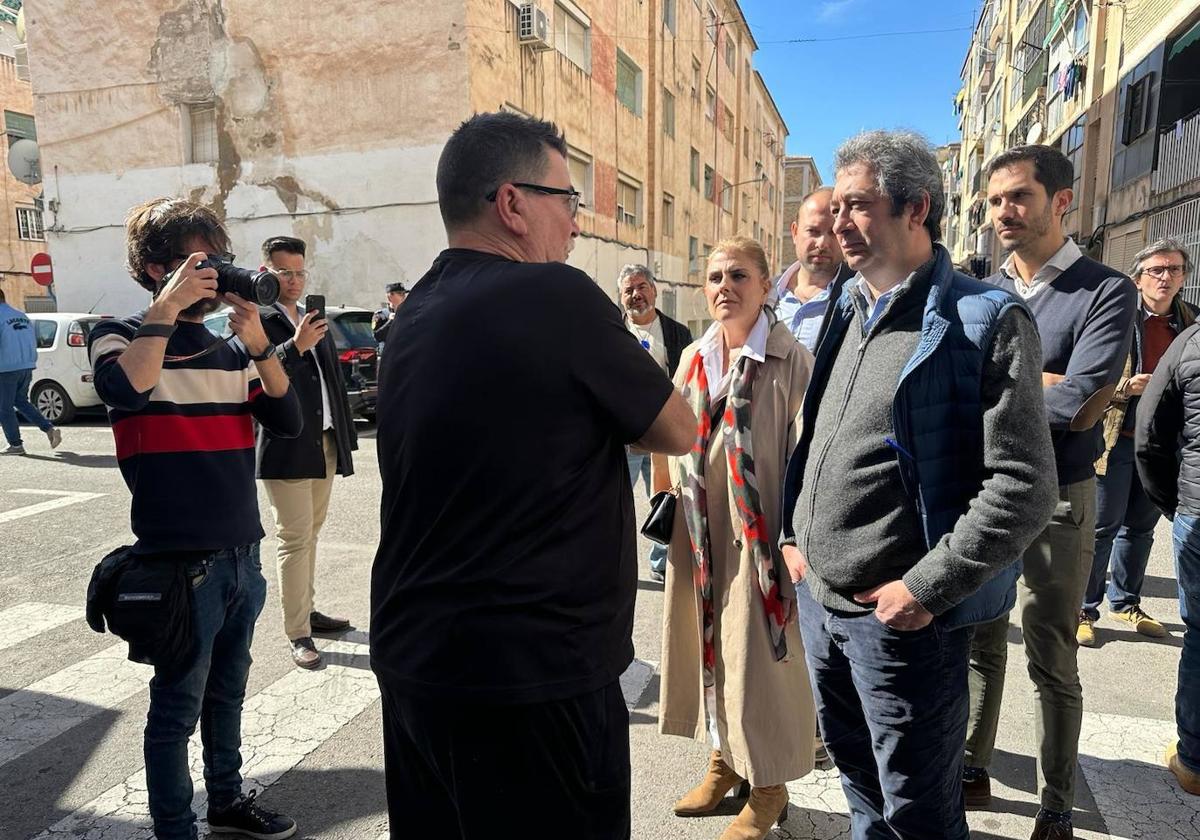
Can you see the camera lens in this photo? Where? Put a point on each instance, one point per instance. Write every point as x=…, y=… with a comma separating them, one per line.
x=261, y=287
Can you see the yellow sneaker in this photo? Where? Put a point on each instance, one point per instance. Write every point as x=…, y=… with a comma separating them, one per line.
x=1188, y=779
x=1136, y=618
x=1085, y=634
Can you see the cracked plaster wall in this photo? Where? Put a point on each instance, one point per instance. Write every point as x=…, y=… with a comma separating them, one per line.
x=321, y=106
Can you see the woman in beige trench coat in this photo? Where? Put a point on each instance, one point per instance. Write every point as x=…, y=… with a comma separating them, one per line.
x=746, y=689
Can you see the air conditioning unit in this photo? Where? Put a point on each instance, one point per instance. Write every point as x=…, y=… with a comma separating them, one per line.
x=533, y=27
x=21, y=55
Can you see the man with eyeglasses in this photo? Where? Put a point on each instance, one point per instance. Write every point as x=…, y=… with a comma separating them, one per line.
x=298, y=473
x=1125, y=515
x=503, y=589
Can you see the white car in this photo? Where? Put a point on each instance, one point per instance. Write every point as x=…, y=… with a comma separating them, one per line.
x=62, y=380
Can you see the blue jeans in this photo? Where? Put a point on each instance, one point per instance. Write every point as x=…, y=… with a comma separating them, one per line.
x=228, y=593
x=1186, y=537
x=892, y=708
x=14, y=398
x=639, y=467
x=1125, y=520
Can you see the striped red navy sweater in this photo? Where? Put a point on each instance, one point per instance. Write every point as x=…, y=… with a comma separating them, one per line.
x=186, y=447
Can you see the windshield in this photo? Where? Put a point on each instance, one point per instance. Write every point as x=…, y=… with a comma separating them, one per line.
x=353, y=330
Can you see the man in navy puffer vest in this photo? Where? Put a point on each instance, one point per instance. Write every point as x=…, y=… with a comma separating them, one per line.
x=923, y=472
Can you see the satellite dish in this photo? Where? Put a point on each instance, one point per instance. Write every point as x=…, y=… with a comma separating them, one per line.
x=1034, y=135
x=24, y=161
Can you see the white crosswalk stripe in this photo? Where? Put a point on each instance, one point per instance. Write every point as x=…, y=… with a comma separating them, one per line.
x=49, y=707
x=281, y=725
x=24, y=621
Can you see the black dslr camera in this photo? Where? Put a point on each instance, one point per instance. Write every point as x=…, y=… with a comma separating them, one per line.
x=261, y=287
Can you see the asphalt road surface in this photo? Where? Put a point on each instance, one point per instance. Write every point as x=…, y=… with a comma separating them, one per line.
x=72, y=707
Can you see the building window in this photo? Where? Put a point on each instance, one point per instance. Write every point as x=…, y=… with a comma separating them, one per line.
x=693, y=255
x=202, y=133
x=745, y=206
x=695, y=79
x=727, y=128
x=19, y=127
x=694, y=170
x=579, y=164
x=771, y=196
x=727, y=198
x=629, y=83
x=746, y=142
x=1072, y=147
x=712, y=22
x=710, y=103
x=29, y=224
x=1136, y=120
x=668, y=113
x=731, y=55
x=573, y=37
x=629, y=198
x=709, y=182
x=669, y=15
x=668, y=216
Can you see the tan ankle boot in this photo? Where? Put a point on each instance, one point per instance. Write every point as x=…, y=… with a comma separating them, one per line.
x=767, y=806
x=706, y=796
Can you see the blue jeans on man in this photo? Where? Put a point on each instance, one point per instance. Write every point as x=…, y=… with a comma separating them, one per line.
x=892, y=709
x=1125, y=520
x=228, y=594
x=639, y=467
x=14, y=400
x=1185, y=535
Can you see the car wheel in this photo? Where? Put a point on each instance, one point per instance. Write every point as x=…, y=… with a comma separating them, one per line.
x=52, y=401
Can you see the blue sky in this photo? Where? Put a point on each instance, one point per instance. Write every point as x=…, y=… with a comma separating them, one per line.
x=830, y=90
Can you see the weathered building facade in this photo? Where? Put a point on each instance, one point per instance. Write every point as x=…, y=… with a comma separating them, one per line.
x=325, y=121
x=1114, y=86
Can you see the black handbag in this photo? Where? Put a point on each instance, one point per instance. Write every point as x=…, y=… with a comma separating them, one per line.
x=146, y=600
x=661, y=521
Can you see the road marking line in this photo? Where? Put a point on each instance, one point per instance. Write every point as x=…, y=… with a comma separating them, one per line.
x=281, y=725
x=46, y=709
x=24, y=621
x=1122, y=760
x=66, y=497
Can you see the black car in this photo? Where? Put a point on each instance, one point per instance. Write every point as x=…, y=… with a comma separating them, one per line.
x=356, y=350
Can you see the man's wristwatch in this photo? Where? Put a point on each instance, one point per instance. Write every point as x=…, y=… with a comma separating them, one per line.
x=265, y=354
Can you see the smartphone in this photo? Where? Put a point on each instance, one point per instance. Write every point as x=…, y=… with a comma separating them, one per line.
x=315, y=303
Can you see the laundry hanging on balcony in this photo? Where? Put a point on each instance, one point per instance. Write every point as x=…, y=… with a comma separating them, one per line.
x=1070, y=79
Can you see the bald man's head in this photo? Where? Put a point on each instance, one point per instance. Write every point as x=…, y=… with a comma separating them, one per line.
x=812, y=233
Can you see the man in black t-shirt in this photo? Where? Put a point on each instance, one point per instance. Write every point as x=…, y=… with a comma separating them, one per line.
x=503, y=590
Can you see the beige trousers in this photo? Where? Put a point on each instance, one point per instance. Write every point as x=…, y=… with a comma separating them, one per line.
x=299, y=506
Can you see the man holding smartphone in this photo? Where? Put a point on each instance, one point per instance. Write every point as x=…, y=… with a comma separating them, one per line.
x=298, y=474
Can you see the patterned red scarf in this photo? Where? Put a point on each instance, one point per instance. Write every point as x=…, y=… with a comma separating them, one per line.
x=735, y=425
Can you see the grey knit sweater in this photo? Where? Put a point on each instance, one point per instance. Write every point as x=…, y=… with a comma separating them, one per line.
x=855, y=522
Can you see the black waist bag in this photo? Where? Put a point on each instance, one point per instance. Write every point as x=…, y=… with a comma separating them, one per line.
x=145, y=600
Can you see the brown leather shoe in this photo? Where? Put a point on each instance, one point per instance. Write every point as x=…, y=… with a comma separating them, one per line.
x=978, y=792
x=1188, y=779
x=766, y=807
x=821, y=759
x=321, y=623
x=304, y=653
x=706, y=796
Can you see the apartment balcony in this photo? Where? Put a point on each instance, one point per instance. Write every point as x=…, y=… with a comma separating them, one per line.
x=1178, y=154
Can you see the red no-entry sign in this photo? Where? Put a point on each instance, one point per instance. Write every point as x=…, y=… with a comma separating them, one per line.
x=42, y=270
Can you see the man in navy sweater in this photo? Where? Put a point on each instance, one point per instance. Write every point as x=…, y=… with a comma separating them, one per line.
x=182, y=405
x=1084, y=312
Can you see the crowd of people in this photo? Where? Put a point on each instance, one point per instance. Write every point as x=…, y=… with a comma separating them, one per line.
x=871, y=460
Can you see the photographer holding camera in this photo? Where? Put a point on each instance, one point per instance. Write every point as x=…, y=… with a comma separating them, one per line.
x=181, y=403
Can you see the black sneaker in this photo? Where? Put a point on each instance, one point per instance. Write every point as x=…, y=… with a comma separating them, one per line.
x=247, y=818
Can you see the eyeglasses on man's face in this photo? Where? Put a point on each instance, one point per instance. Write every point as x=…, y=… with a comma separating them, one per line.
x=288, y=274
x=573, y=196
x=1161, y=271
